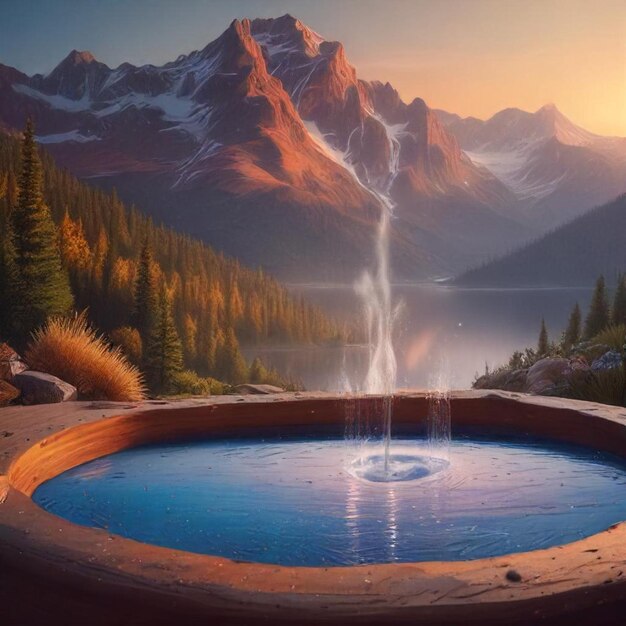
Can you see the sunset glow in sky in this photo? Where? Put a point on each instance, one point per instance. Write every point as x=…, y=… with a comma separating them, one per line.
x=471, y=57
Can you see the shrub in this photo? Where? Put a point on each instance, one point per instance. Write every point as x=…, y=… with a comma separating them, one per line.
x=605, y=386
x=217, y=388
x=613, y=336
x=129, y=340
x=69, y=348
x=188, y=383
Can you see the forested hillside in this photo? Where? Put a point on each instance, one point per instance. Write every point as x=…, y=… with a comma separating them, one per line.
x=215, y=302
x=573, y=255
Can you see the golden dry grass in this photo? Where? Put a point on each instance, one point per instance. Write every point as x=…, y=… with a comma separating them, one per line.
x=613, y=336
x=69, y=348
x=605, y=386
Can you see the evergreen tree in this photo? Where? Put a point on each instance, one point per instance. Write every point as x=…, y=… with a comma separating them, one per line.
x=598, y=317
x=258, y=372
x=40, y=286
x=146, y=295
x=572, y=333
x=618, y=315
x=230, y=365
x=543, y=344
x=8, y=279
x=164, y=355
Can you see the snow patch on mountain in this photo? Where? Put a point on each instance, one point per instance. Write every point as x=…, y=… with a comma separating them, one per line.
x=513, y=167
x=72, y=135
x=55, y=101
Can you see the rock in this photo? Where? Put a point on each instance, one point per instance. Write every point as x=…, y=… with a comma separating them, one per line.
x=258, y=389
x=494, y=380
x=545, y=374
x=578, y=364
x=608, y=361
x=514, y=576
x=8, y=393
x=592, y=351
x=516, y=381
x=10, y=363
x=40, y=388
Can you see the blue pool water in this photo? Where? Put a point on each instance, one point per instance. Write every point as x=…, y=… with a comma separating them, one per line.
x=294, y=502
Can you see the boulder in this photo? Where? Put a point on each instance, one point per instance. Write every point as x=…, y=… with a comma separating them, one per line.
x=10, y=363
x=8, y=393
x=258, y=389
x=608, y=361
x=516, y=380
x=547, y=374
x=40, y=388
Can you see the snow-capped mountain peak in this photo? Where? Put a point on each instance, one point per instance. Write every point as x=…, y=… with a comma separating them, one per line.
x=270, y=124
x=555, y=168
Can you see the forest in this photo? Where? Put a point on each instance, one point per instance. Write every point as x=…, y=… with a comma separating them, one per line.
x=129, y=275
x=574, y=254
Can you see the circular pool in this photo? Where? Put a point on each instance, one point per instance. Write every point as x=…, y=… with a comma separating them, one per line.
x=299, y=502
x=254, y=511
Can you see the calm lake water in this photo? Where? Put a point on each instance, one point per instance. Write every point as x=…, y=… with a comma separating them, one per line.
x=443, y=335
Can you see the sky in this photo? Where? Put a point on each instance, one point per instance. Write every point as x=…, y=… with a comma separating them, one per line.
x=471, y=57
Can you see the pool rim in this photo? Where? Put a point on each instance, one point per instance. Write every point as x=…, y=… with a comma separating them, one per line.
x=422, y=589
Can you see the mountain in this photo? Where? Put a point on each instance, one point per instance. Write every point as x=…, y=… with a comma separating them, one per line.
x=555, y=168
x=266, y=145
x=573, y=255
x=400, y=151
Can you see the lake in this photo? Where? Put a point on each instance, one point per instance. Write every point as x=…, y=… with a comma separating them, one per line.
x=444, y=336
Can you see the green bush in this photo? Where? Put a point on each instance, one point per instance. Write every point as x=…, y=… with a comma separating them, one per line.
x=188, y=383
x=613, y=336
x=604, y=386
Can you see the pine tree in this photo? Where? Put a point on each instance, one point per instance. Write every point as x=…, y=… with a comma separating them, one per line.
x=598, y=317
x=258, y=371
x=164, y=355
x=571, y=336
x=230, y=364
x=618, y=315
x=146, y=295
x=41, y=285
x=8, y=279
x=543, y=344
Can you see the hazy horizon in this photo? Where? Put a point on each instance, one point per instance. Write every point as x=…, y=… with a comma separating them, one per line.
x=470, y=58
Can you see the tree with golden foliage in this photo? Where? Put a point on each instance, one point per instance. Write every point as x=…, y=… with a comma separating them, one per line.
x=75, y=251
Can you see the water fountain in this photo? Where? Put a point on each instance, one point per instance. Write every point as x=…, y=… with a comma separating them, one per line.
x=239, y=484
x=380, y=316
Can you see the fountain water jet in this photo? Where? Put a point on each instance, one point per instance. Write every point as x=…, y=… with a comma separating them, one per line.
x=380, y=315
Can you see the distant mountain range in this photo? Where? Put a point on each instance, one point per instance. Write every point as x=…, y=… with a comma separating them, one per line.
x=556, y=169
x=572, y=255
x=268, y=146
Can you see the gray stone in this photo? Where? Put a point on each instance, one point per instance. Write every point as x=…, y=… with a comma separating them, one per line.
x=544, y=374
x=40, y=388
x=516, y=381
x=258, y=389
x=608, y=361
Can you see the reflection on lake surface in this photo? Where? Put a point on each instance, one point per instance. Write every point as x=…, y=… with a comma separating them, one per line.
x=443, y=332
